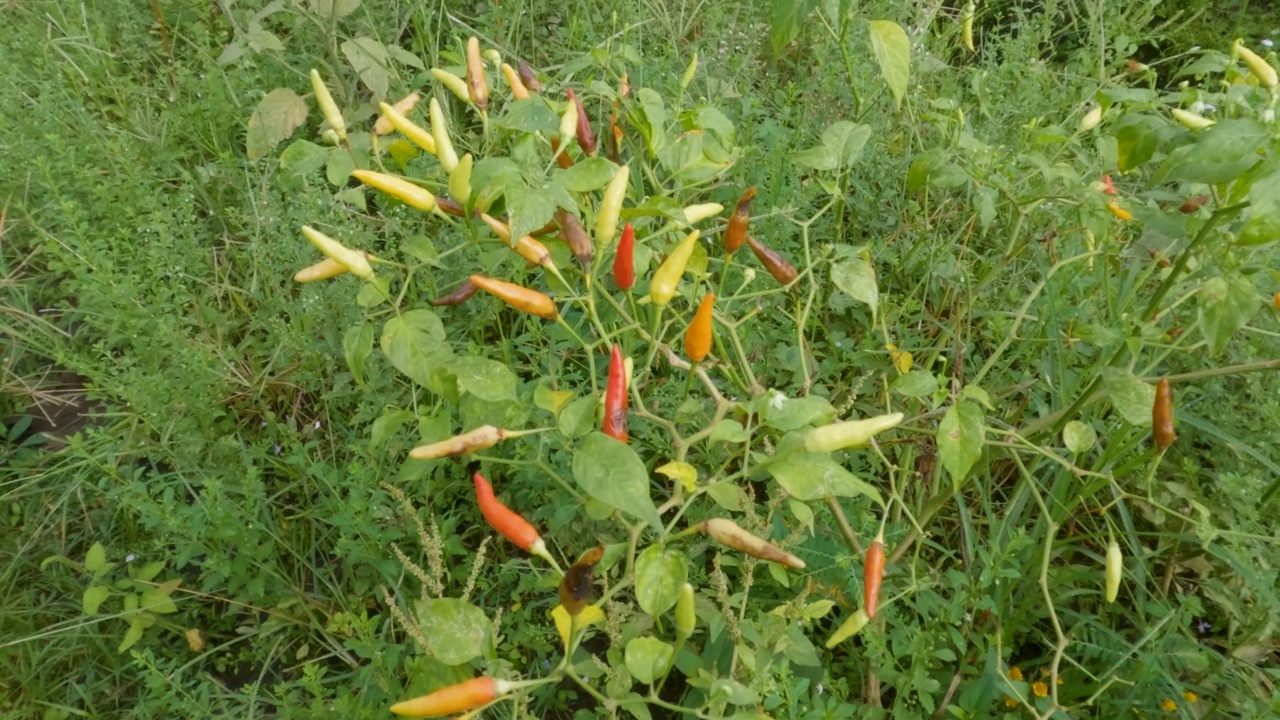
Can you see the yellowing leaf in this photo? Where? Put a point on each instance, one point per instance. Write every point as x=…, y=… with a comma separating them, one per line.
x=901, y=358
x=683, y=472
x=590, y=615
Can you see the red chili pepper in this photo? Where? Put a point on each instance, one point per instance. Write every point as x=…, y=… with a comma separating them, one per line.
x=736, y=233
x=459, y=296
x=872, y=574
x=615, y=398
x=586, y=138
x=781, y=270
x=624, y=262
x=697, y=339
x=1108, y=187
x=502, y=518
x=1162, y=416
x=615, y=137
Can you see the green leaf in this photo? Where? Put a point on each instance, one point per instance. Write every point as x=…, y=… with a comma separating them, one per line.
x=420, y=248
x=892, y=50
x=984, y=202
x=1263, y=224
x=727, y=495
x=339, y=170
x=960, y=439
x=276, y=117
x=648, y=658
x=94, y=597
x=786, y=414
x=148, y=572
x=814, y=476
x=730, y=431
x=530, y=115
x=579, y=417
x=1078, y=436
x=1130, y=396
x=158, y=602
x=1220, y=154
x=611, y=472
x=856, y=278
x=457, y=630
x=388, y=424
x=133, y=635
x=915, y=384
x=846, y=140
x=415, y=344
x=357, y=343
x=786, y=20
x=1226, y=305
x=585, y=176
x=369, y=59
x=95, y=560
x=486, y=379
x=529, y=208
x=334, y=9
x=302, y=157
x=660, y=571
x=1137, y=137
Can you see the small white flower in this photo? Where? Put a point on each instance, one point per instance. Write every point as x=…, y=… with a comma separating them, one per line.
x=1267, y=42
x=1197, y=107
x=1210, y=108
x=1194, y=48
x=777, y=400
x=130, y=558
x=819, y=688
x=317, y=424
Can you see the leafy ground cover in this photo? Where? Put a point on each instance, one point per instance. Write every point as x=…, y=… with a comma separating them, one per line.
x=209, y=504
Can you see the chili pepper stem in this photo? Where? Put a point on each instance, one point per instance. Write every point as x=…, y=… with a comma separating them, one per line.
x=688, y=381
x=539, y=548
x=591, y=358
x=724, y=273
x=655, y=320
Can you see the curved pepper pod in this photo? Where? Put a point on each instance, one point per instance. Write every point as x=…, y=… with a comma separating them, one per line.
x=328, y=107
x=477, y=86
x=736, y=233
x=575, y=236
x=727, y=532
x=662, y=287
x=383, y=124
x=872, y=575
x=411, y=130
x=485, y=436
x=466, y=695
x=781, y=270
x=518, y=297
x=1115, y=570
x=615, y=398
x=518, y=90
x=611, y=206
x=697, y=339
x=1257, y=65
x=849, y=434
x=1162, y=431
x=848, y=628
x=528, y=77
x=456, y=85
x=445, y=153
x=464, y=292
x=418, y=198
x=586, y=138
x=356, y=262
x=322, y=270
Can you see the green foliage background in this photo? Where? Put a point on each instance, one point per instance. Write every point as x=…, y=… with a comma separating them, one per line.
x=146, y=267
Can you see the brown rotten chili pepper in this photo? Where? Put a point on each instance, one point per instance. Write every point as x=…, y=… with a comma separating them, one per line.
x=781, y=270
x=586, y=138
x=520, y=298
x=483, y=437
x=736, y=233
x=1193, y=204
x=451, y=207
x=727, y=532
x=1162, y=416
x=577, y=587
x=575, y=236
x=615, y=398
x=528, y=77
x=477, y=86
x=459, y=296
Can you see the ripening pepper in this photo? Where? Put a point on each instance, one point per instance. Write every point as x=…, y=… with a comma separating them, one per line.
x=615, y=398
x=460, y=697
x=569, y=122
x=1119, y=212
x=483, y=437
x=383, y=124
x=727, y=532
x=418, y=198
x=506, y=521
x=1260, y=68
x=575, y=236
x=440, y=133
x=736, y=233
x=1190, y=120
x=686, y=616
x=849, y=434
x=611, y=206
x=1091, y=119
x=849, y=628
x=586, y=138
x=614, y=152
x=663, y=285
x=1162, y=416
x=477, y=86
x=695, y=214
x=322, y=270
x=697, y=339
x=872, y=575
x=416, y=135
x=452, y=207
x=529, y=77
x=328, y=107
x=1193, y=203
x=356, y=262
x=520, y=298
x=518, y=90
x=464, y=292
x=624, y=264
x=562, y=156
x=456, y=85
x=528, y=248
x=1115, y=570
x=781, y=270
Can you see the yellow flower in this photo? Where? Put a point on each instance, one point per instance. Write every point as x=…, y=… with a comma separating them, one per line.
x=590, y=615
x=1015, y=673
x=1040, y=689
x=1190, y=696
x=1010, y=702
x=1169, y=705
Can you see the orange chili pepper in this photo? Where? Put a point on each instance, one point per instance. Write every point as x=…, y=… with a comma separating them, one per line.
x=518, y=297
x=466, y=695
x=624, y=266
x=697, y=339
x=872, y=574
x=562, y=157
x=477, y=86
x=1162, y=416
x=736, y=233
x=502, y=518
x=615, y=398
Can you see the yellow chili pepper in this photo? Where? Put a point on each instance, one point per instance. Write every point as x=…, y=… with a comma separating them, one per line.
x=695, y=214
x=456, y=85
x=1257, y=65
x=440, y=133
x=1190, y=120
x=611, y=206
x=383, y=124
x=849, y=434
x=848, y=628
x=322, y=270
x=518, y=90
x=460, y=179
x=328, y=107
x=483, y=437
x=477, y=86
x=1115, y=570
x=1118, y=211
x=408, y=128
x=356, y=262
x=415, y=197
x=518, y=297
x=663, y=285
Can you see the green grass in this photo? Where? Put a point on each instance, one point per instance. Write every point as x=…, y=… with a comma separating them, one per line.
x=143, y=253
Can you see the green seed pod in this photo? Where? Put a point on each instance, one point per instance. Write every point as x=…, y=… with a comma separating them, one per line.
x=685, y=617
